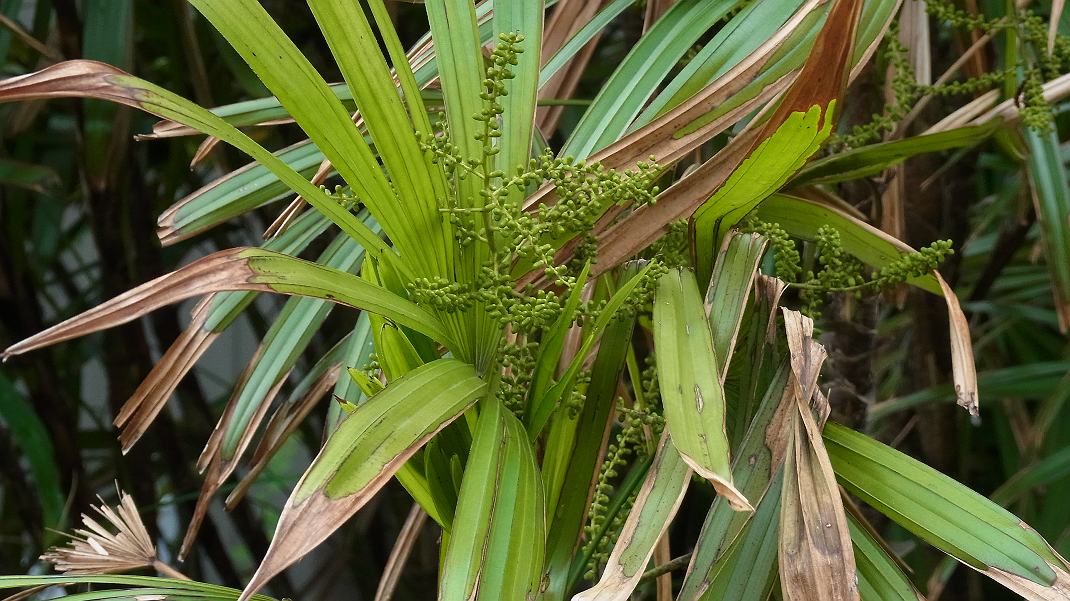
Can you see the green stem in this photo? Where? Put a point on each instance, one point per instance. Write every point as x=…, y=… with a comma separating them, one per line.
x=676, y=564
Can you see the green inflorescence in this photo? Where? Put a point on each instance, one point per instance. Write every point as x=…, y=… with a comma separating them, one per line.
x=672, y=247
x=788, y=263
x=583, y=190
x=578, y=395
x=630, y=442
x=513, y=236
x=836, y=270
x=1030, y=28
x=518, y=363
x=343, y=196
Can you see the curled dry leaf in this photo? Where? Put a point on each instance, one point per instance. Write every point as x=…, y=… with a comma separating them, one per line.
x=1059, y=590
x=282, y=424
x=207, y=275
x=962, y=365
x=1057, y=7
x=213, y=465
x=399, y=553
x=569, y=17
x=78, y=78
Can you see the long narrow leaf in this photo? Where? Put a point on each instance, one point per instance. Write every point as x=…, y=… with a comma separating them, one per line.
x=691, y=388
x=1051, y=197
x=498, y=537
x=418, y=184
x=948, y=515
x=363, y=453
x=879, y=578
x=240, y=269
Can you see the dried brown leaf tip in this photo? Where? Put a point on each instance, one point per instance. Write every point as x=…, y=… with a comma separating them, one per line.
x=963, y=369
x=77, y=78
x=115, y=542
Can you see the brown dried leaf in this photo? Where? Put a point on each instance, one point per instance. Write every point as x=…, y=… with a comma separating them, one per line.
x=568, y=18
x=806, y=355
x=96, y=549
x=914, y=35
x=399, y=554
x=1057, y=7
x=215, y=467
x=138, y=412
x=242, y=268
x=220, y=271
x=1056, y=591
x=279, y=428
x=203, y=150
x=824, y=75
x=654, y=10
x=964, y=371
x=816, y=555
x=70, y=79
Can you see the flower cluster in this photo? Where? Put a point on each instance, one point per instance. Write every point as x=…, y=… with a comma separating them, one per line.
x=582, y=192
x=601, y=530
x=518, y=363
x=343, y=196
x=1041, y=65
x=836, y=270
x=788, y=263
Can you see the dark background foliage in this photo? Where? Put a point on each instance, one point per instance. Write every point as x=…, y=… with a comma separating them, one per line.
x=78, y=205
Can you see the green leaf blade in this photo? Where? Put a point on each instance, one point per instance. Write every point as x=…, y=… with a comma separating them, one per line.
x=940, y=510
x=363, y=453
x=691, y=387
x=499, y=532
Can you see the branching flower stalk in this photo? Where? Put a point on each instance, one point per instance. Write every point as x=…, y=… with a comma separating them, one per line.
x=515, y=237
x=839, y=272
x=1031, y=30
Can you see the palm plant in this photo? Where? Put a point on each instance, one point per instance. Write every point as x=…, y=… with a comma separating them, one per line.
x=509, y=295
